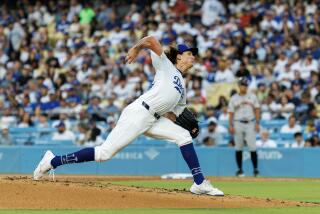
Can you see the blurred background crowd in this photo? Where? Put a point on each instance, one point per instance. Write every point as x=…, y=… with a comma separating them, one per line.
x=62, y=63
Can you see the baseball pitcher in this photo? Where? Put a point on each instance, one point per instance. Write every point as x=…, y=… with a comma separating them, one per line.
x=160, y=113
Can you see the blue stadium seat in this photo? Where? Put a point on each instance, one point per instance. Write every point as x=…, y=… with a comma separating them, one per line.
x=31, y=130
x=283, y=143
x=286, y=136
x=203, y=124
x=274, y=125
x=29, y=135
x=54, y=142
x=145, y=141
x=274, y=135
x=224, y=123
x=22, y=130
x=18, y=140
x=224, y=145
x=46, y=130
x=226, y=137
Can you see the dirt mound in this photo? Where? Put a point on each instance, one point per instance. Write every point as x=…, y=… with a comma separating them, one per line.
x=86, y=192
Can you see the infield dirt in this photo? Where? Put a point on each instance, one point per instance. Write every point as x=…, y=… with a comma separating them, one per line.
x=95, y=192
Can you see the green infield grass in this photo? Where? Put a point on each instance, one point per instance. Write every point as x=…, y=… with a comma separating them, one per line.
x=304, y=190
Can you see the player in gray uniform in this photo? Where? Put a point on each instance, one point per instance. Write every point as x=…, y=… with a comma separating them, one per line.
x=152, y=114
x=244, y=118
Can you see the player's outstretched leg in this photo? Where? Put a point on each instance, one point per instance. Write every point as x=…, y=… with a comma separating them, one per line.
x=50, y=161
x=113, y=144
x=200, y=185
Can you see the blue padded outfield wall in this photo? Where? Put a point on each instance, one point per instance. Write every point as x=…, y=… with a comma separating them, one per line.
x=158, y=160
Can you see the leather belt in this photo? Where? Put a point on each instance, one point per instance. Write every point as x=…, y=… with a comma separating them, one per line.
x=245, y=121
x=156, y=115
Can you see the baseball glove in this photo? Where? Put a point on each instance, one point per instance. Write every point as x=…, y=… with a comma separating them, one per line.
x=188, y=121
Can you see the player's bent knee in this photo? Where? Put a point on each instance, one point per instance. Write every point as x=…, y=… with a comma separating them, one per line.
x=183, y=138
x=102, y=154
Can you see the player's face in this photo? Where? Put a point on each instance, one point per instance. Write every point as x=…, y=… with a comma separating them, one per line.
x=243, y=89
x=187, y=59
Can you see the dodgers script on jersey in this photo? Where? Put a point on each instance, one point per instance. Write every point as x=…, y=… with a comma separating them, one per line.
x=243, y=106
x=168, y=90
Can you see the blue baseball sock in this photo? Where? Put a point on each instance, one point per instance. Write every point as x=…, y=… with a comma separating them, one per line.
x=190, y=156
x=84, y=155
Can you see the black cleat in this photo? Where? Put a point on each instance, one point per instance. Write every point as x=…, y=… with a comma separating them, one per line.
x=256, y=173
x=240, y=173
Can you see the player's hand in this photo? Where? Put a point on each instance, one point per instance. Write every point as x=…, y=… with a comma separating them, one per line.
x=231, y=130
x=257, y=127
x=132, y=55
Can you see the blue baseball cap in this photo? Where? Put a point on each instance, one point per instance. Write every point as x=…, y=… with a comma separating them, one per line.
x=243, y=81
x=183, y=48
x=60, y=124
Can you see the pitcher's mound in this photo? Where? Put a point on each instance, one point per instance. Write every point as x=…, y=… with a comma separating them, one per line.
x=83, y=192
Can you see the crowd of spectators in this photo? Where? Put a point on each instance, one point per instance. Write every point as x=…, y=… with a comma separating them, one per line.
x=63, y=61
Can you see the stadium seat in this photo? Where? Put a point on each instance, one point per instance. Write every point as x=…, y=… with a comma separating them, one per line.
x=224, y=123
x=273, y=125
x=274, y=135
x=226, y=137
x=286, y=136
x=54, y=142
x=146, y=141
x=22, y=130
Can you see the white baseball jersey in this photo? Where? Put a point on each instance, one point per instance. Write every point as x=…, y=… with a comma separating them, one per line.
x=167, y=94
x=243, y=106
x=168, y=91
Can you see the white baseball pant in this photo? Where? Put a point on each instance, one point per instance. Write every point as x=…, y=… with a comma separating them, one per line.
x=134, y=121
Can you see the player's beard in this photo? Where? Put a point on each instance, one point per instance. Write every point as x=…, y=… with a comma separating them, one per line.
x=190, y=62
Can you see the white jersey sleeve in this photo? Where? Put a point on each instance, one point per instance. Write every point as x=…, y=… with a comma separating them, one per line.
x=179, y=109
x=158, y=61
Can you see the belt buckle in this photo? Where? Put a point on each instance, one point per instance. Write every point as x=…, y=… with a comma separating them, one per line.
x=156, y=115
